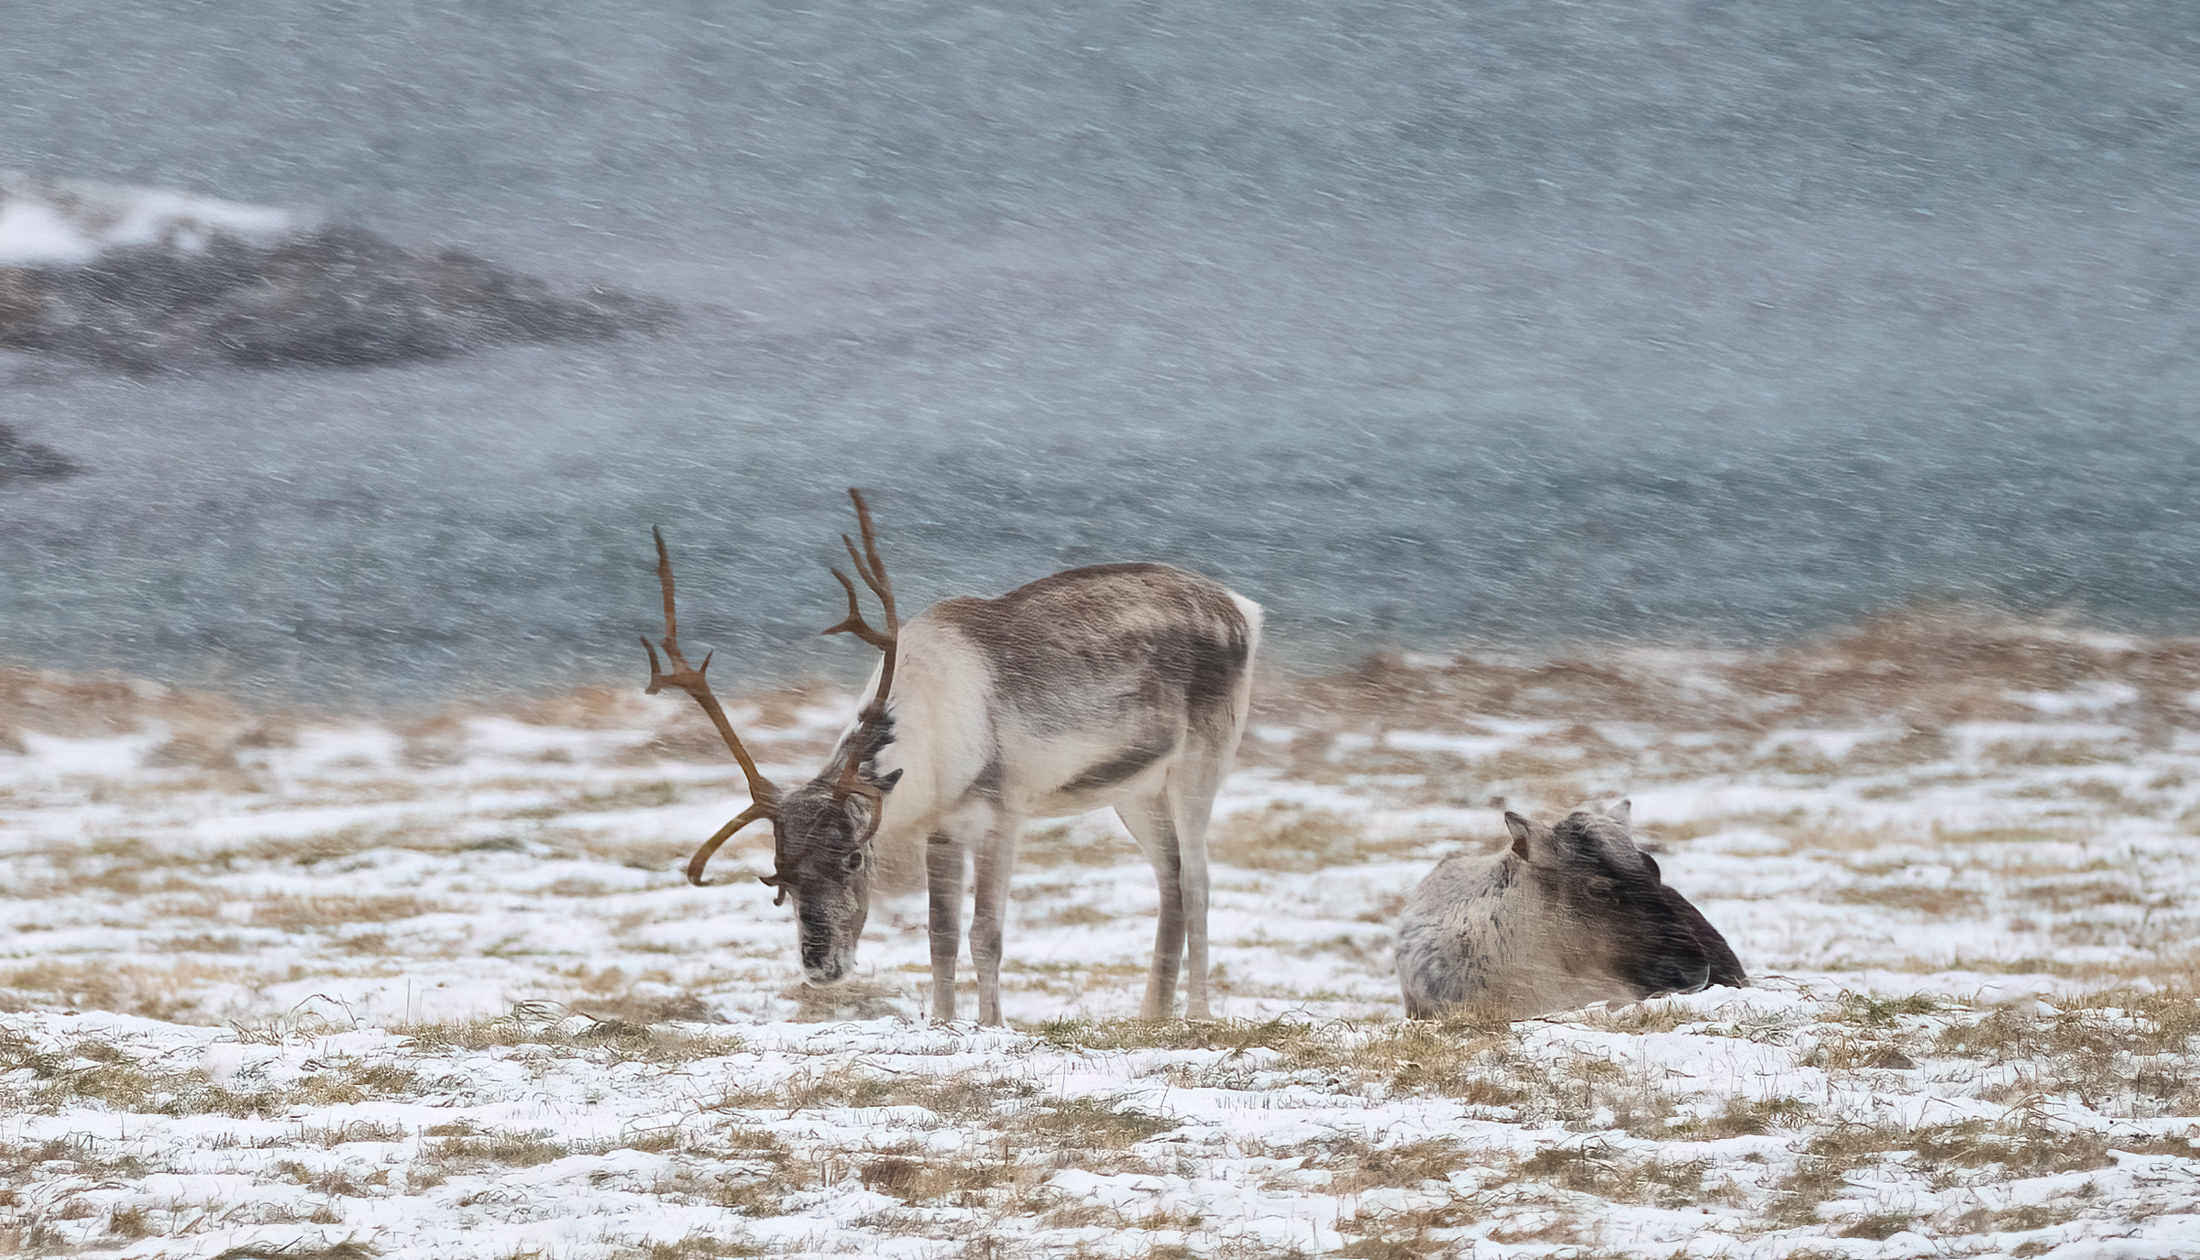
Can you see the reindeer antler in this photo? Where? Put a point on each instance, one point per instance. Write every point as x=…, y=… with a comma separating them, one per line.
x=763, y=793
x=872, y=570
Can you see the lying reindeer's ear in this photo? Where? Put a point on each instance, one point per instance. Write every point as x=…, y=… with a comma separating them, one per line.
x=1620, y=813
x=887, y=784
x=1521, y=829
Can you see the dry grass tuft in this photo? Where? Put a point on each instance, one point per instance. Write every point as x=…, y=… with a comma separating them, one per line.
x=2023, y=1143
x=169, y=993
x=1872, y=1011
x=471, y=1154
x=78, y=707
x=587, y=709
x=1361, y=1165
x=297, y=914
x=1750, y=1117
x=2117, y=1050
x=1282, y=1033
x=1916, y=671
x=348, y=1249
x=849, y=999
x=546, y=1025
x=1410, y=1234
x=703, y=1247
x=953, y=1097
x=1287, y=838
x=1067, y=844
x=2065, y=895
x=1939, y=903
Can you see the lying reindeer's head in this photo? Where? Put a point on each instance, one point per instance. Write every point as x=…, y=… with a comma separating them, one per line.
x=1619, y=918
x=822, y=831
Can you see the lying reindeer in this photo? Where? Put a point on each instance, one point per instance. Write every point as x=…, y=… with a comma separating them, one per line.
x=1569, y=915
x=1123, y=685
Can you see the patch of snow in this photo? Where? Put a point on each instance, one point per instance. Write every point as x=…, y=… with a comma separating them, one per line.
x=1832, y=744
x=2088, y=698
x=47, y=223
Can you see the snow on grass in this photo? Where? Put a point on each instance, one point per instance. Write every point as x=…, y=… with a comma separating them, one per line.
x=278, y=987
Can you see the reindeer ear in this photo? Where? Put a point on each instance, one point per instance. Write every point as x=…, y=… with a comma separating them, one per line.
x=887, y=784
x=1520, y=828
x=1621, y=813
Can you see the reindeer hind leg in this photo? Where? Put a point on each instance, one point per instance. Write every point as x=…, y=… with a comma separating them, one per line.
x=1190, y=799
x=1152, y=824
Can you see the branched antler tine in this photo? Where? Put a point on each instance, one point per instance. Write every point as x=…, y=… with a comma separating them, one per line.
x=744, y=818
x=672, y=621
x=864, y=568
x=855, y=624
x=762, y=791
x=872, y=569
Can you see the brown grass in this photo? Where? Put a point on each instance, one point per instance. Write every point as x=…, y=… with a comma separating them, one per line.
x=1746, y=1117
x=110, y=704
x=1478, y=1064
x=1360, y=1165
x=297, y=914
x=348, y=1249
x=1917, y=899
x=1067, y=844
x=1073, y=915
x=165, y=993
x=2020, y=1145
x=1283, y=837
x=2061, y=895
x=2120, y=1051
x=544, y=1025
x=1918, y=668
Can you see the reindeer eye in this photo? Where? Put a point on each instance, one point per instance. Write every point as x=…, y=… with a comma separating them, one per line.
x=853, y=862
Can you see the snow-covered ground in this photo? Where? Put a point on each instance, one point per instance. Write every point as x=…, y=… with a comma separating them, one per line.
x=437, y=989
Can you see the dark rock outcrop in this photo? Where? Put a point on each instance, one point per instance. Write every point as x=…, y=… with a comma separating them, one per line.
x=29, y=461
x=336, y=296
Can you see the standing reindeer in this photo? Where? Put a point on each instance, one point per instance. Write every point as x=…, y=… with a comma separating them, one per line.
x=1123, y=685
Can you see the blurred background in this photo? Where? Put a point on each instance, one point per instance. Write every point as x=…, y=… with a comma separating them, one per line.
x=1423, y=324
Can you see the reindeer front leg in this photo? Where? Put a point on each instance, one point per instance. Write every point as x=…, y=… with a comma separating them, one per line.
x=943, y=878
x=996, y=859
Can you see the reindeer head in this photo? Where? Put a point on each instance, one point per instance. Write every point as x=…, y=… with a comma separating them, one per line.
x=823, y=857
x=1619, y=917
x=821, y=831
